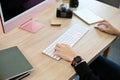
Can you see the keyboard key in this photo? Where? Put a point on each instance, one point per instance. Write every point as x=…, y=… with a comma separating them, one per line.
x=70, y=37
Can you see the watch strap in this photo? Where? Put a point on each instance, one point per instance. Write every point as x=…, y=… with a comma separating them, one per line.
x=76, y=61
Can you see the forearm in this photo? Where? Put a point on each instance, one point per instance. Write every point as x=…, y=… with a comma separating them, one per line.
x=85, y=72
x=116, y=31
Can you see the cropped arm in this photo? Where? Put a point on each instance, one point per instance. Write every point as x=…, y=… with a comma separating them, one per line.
x=85, y=72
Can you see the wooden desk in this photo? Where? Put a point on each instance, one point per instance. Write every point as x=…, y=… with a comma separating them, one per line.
x=32, y=45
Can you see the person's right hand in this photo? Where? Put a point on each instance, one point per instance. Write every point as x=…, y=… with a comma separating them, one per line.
x=65, y=51
x=108, y=28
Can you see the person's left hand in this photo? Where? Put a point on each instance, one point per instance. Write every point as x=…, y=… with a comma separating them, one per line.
x=65, y=51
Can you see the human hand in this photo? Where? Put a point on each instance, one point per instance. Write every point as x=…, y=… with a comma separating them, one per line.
x=108, y=28
x=65, y=51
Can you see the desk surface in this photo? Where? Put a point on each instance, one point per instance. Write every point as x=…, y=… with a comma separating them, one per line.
x=88, y=47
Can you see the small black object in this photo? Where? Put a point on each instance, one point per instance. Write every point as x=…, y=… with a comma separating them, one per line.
x=74, y=3
x=76, y=61
x=64, y=12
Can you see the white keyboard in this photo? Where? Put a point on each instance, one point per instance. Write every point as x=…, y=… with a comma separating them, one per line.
x=70, y=37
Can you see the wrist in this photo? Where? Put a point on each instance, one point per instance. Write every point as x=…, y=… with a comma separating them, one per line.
x=76, y=61
x=72, y=57
x=118, y=34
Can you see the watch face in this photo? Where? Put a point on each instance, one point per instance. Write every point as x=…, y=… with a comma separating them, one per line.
x=78, y=59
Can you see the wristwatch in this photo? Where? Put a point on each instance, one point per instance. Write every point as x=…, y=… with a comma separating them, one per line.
x=77, y=60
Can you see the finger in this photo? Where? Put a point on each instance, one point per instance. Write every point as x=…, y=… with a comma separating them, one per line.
x=107, y=24
x=65, y=44
x=58, y=45
x=62, y=46
x=103, y=29
x=101, y=23
x=57, y=49
x=57, y=53
x=104, y=22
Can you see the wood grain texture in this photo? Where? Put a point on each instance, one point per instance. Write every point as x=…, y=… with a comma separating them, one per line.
x=32, y=44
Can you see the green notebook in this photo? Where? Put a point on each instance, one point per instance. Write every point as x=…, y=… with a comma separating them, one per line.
x=13, y=63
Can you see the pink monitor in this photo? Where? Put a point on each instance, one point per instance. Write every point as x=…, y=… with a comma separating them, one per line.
x=15, y=13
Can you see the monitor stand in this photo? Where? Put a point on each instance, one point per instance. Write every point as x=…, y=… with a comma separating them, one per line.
x=32, y=26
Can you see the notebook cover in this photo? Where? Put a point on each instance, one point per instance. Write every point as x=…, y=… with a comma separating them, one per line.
x=20, y=76
x=13, y=63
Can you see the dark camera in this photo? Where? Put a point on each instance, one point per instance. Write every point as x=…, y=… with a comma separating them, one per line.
x=64, y=12
x=74, y=3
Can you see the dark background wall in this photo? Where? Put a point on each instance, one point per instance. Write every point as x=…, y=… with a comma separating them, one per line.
x=114, y=3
